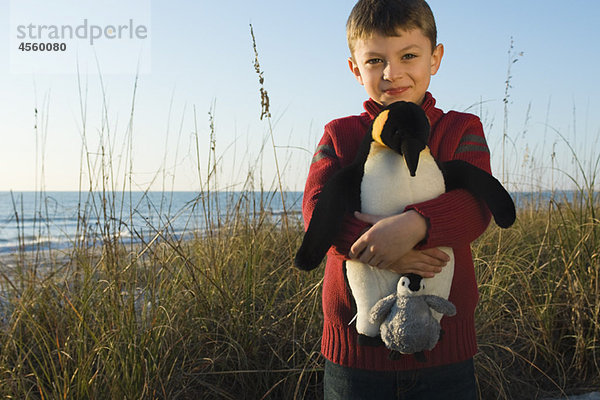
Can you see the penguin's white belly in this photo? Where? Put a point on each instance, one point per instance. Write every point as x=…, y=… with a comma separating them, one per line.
x=386, y=189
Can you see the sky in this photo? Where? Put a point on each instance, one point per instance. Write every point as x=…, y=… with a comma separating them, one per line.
x=136, y=113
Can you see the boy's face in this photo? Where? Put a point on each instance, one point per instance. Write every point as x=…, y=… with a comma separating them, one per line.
x=393, y=68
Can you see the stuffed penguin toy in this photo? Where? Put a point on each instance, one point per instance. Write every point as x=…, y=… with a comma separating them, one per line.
x=407, y=324
x=392, y=169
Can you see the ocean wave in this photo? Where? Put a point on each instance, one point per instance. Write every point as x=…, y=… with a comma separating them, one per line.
x=62, y=241
x=11, y=246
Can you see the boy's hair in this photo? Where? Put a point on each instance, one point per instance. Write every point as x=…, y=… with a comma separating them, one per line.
x=385, y=17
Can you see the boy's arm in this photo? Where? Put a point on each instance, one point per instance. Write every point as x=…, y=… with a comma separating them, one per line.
x=324, y=164
x=457, y=217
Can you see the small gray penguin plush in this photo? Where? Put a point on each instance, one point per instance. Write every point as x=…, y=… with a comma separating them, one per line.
x=407, y=324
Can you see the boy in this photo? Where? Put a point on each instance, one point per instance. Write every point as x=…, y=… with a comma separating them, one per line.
x=394, y=53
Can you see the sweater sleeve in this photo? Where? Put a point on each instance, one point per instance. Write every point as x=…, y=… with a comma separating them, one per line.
x=325, y=162
x=457, y=217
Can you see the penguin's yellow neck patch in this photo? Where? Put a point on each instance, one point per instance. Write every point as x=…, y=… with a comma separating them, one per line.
x=378, y=125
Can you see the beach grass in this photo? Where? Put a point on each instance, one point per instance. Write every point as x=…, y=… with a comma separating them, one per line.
x=538, y=317
x=224, y=315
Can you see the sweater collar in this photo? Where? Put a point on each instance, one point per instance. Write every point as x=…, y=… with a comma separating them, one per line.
x=373, y=108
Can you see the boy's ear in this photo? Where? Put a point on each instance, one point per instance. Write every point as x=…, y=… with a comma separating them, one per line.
x=355, y=70
x=436, y=58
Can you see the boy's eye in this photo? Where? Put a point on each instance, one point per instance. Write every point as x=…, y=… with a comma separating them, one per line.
x=409, y=56
x=374, y=61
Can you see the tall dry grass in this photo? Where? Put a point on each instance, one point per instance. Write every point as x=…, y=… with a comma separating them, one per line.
x=220, y=315
x=214, y=317
x=538, y=317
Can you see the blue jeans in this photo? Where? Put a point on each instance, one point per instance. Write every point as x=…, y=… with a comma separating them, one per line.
x=454, y=381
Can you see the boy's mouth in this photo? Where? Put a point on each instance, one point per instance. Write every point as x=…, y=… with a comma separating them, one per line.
x=395, y=91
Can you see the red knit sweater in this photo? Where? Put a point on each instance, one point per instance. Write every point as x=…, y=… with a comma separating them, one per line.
x=455, y=219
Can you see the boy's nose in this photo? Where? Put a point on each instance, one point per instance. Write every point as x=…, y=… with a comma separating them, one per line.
x=392, y=71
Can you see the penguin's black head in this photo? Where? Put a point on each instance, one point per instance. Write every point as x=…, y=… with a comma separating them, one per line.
x=412, y=282
x=415, y=282
x=404, y=128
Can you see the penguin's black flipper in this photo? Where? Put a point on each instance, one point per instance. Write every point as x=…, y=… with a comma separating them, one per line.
x=459, y=174
x=326, y=220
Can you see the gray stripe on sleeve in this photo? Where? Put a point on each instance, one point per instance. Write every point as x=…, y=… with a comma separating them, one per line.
x=465, y=148
x=324, y=151
x=474, y=139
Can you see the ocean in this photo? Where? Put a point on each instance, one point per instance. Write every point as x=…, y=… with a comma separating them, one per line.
x=56, y=220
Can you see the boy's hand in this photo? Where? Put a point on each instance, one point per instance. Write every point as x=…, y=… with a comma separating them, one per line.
x=425, y=263
x=389, y=244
